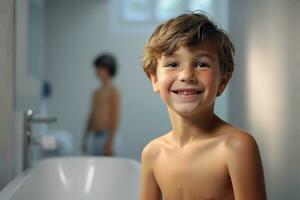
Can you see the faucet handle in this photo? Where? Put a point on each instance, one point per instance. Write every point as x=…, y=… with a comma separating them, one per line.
x=29, y=113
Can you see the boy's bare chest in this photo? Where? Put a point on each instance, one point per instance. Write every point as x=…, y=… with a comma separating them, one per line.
x=197, y=173
x=103, y=96
x=102, y=104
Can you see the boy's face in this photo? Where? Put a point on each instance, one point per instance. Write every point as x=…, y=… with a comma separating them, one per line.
x=189, y=80
x=102, y=73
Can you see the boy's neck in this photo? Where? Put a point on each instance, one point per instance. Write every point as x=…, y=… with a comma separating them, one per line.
x=189, y=128
x=106, y=83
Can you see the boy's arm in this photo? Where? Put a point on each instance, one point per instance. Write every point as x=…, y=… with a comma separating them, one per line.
x=88, y=125
x=115, y=111
x=85, y=135
x=149, y=187
x=245, y=168
x=114, y=122
x=89, y=121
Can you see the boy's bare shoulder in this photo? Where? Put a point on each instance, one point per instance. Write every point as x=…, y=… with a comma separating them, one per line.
x=114, y=88
x=97, y=92
x=238, y=140
x=153, y=148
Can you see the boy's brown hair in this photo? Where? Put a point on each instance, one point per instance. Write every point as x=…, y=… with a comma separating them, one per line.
x=187, y=30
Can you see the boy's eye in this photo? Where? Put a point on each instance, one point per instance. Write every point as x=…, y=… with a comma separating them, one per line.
x=172, y=65
x=202, y=65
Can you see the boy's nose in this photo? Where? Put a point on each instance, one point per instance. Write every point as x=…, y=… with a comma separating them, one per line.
x=187, y=75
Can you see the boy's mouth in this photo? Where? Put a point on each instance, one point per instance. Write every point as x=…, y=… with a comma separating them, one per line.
x=186, y=92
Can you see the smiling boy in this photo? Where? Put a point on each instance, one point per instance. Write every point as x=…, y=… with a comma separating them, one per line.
x=190, y=62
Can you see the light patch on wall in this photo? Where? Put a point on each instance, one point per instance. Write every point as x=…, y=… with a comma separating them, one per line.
x=140, y=16
x=136, y=10
x=205, y=5
x=265, y=84
x=166, y=9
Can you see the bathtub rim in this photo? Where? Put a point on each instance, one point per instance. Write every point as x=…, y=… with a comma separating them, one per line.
x=12, y=187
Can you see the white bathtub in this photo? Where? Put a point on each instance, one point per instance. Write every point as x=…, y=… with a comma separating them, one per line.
x=77, y=178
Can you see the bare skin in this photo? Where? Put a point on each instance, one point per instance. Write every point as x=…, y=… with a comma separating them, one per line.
x=104, y=112
x=225, y=165
x=103, y=108
x=202, y=157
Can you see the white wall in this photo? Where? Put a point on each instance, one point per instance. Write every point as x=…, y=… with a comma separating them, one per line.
x=6, y=90
x=27, y=86
x=264, y=94
x=76, y=31
x=28, y=65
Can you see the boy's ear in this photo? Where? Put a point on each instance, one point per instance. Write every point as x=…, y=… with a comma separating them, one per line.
x=154, y=82
x=223, y=83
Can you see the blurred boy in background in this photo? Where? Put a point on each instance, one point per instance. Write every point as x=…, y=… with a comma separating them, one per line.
x=102, y=124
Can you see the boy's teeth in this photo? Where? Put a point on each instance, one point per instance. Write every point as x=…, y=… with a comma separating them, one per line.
x=187, y=92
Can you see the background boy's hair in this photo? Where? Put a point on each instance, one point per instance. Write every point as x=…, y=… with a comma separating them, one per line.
x=108, y=62
x=187, y=29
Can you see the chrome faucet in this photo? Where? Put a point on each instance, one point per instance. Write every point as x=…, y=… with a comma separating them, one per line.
x=28, y=139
